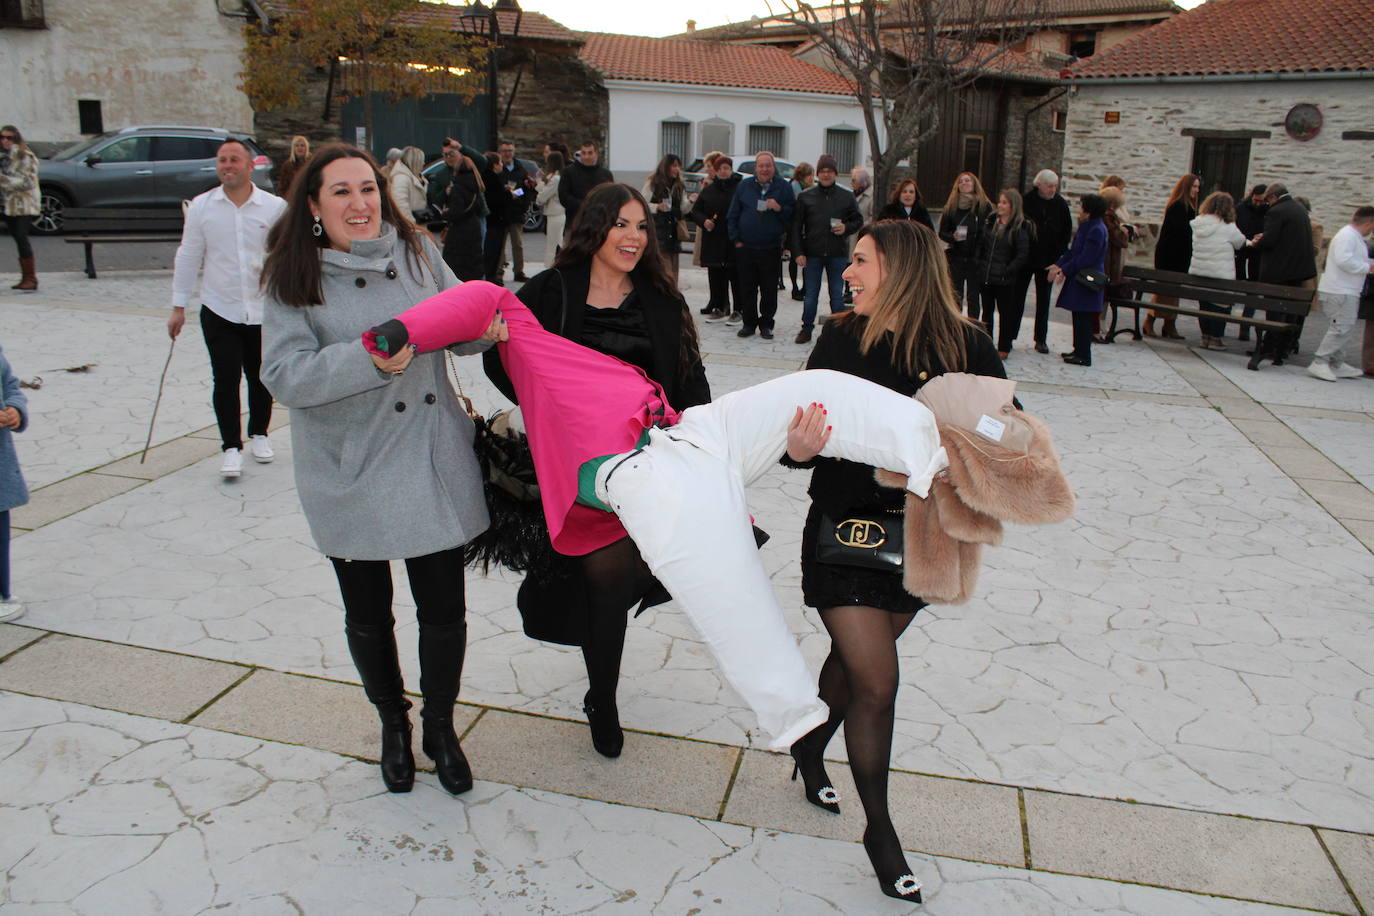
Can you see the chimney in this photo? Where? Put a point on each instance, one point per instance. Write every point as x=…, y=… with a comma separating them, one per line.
x=691, y=25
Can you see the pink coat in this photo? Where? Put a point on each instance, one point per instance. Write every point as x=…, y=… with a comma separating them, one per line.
x=578, y=404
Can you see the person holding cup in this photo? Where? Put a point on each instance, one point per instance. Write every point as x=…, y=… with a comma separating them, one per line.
x=826, y=215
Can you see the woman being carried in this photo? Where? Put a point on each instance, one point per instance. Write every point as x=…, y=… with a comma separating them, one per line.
x=609, y=290
x=613, y=456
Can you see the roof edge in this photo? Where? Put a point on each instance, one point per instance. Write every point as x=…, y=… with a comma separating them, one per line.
x=1255, y=77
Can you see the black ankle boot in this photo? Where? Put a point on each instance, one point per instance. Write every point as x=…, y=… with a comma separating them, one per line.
x=442, y=647
x=604, y=720
x=374, y=654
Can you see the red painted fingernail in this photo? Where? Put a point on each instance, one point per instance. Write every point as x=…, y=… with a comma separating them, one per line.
x=829, y=428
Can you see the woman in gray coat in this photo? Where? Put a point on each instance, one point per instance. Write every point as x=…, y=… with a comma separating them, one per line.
x=383, y=462
x=14, y=418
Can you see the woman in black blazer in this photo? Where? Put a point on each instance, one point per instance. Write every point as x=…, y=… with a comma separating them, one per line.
x=906, y=203
x=597, y=295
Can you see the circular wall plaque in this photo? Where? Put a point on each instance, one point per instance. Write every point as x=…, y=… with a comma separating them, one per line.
x=1303, y=122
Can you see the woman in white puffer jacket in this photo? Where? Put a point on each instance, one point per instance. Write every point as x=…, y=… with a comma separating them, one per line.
x=1216, y=239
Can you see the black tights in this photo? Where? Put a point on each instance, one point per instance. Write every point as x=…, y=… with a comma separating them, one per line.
x=615, y=577
x=436, y=584
x=859, y=683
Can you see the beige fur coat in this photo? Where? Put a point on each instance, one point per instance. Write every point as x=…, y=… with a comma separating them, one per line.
x=984, y=486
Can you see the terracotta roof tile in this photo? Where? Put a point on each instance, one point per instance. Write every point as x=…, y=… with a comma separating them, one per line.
x=1225, y=37
x=705, y=63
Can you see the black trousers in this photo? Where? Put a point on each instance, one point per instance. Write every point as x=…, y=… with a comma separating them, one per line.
x=436, y=583
x=1043, y=287
x=19, y=228
x=1083, y=335
x=1009, y=301
x=724, y=286
x=492, y=249
x=759, y=270
x=967, y=276
x=235, y=352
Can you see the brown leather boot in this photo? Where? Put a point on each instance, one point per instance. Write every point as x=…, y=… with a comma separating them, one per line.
x=1148, y=328
x=30, y=275
x=1169, y=331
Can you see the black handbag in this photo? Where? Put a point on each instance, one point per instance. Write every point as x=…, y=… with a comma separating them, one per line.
x=867, y=538
x=1094, y=280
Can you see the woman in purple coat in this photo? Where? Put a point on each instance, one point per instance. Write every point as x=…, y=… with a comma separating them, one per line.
x=1088, y=252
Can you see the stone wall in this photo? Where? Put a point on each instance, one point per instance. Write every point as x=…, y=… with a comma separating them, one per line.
x=274, y=129
x=1044, y=148
x=1149, y=149
x=560, y=98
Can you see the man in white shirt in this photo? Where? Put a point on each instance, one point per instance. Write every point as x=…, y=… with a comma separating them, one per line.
x=224, y=242
x=1348, y=264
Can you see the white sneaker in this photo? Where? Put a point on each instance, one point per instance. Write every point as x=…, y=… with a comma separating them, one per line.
x=1320, y=368
x=11, y=609
x=233, y=464
x=1345, y=370
x=261, y=447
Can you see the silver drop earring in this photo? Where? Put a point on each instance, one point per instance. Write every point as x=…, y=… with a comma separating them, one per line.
x=317, y=230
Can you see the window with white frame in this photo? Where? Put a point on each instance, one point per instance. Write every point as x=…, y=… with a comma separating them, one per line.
x=767, y=135
x=1059, y=121
x=716, y=134
x=843, y=144
x=674, y=136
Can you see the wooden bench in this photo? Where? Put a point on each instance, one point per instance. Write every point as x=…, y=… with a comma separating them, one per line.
x=114, y=226
x=1276, y=332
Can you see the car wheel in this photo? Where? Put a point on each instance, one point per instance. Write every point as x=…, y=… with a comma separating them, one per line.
x=534, y=221
x=49, y=220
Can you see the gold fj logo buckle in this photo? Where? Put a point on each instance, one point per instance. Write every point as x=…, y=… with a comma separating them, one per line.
x=862, y=533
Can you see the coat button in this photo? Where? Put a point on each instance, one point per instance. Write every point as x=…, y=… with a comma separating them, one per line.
x=391, y=273
x=400, y=406
x=430, y=399
x=360, y=283
x=922, y=376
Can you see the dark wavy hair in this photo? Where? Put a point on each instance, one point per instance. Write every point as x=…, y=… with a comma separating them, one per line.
x=291, y=272
x=592, y=225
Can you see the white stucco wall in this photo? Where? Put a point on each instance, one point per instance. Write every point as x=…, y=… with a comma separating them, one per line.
x=636, y=109
x=147, y=61
x=1149, y=150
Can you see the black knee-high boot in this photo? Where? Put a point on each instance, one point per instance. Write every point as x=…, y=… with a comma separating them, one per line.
x=374, y=654
x=442, y=647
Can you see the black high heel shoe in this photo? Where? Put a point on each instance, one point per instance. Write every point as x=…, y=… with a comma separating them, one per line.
x=607, y=736
x=894, y=875
x=823, y=795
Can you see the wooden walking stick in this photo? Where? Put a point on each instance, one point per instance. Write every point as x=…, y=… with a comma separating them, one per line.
x=157, y=403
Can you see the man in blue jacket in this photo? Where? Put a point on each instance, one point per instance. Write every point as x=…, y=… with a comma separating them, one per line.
x=759, y=217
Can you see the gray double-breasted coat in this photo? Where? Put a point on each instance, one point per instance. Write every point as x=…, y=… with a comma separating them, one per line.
x=384, y=463
x=13, y=492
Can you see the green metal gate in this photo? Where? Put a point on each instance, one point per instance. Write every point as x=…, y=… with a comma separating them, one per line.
x=423, y=122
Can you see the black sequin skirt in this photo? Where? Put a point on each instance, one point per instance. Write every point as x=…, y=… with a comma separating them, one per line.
x=826, y=585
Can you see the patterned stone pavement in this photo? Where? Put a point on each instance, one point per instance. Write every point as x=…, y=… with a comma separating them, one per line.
x=1162, y=705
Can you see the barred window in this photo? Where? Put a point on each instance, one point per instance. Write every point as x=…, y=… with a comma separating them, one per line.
x=673, y=137
x=771, y=137
x=717, y=134
x=843, y=144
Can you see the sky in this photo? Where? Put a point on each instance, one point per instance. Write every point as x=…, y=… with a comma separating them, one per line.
x=657, y=17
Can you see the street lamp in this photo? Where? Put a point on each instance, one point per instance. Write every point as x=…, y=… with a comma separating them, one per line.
x=478, y=19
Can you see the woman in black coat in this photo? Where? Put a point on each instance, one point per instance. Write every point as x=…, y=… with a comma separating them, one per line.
x=1006, y=254
x=961, y=228
x=629, y=309
x=904, y=330
x=717, y=253
x=663, y=189
x=1174, y=249
x=463, y=235
x=906, y=203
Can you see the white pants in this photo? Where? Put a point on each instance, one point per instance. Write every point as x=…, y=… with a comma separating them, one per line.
x=681, y=498
x=1343, y=311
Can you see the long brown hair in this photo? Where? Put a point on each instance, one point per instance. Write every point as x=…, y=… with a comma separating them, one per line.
x=901, y=186
x=1018, y=213
x=592, y=224
x=915, y=302
x=1221, y=205
x=980, y=197
x=662, y=183
x=18, y=137
x=1181, y=191
x=291, y=272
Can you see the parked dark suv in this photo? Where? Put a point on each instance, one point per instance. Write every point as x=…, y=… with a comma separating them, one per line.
x=143, y=167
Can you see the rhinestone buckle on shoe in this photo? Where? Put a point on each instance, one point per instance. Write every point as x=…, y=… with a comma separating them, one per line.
x=827, y=795
x=907, y=885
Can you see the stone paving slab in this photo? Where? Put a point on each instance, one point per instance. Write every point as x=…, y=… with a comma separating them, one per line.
x=163, y=459
x=14, y=637
x=67, y=497
x=1343, y=499
x=313, y=713
x=653, y=771
x=1343, y=441
x=949, y=817
x=1354, y=856
x=1290, y=384
x=101, y=806
x=1234, y=857
x=113, y=676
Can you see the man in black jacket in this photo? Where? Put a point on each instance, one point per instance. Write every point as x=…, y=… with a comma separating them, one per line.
x=1250, y=221
x=518, y=180
x=579, y=177
x=1048, y=211
x=1286, y=258
x=826, y=215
